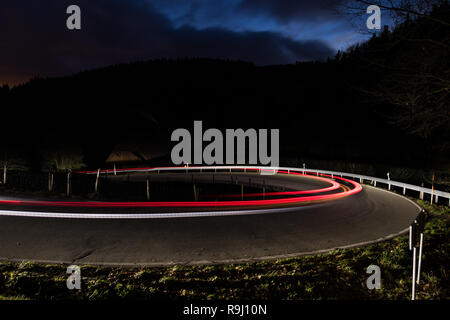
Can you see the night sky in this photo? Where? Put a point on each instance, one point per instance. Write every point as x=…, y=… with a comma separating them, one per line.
x=34, y=40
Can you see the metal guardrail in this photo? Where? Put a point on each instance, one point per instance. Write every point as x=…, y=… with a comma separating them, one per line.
x=436, y=194
x=405, y=186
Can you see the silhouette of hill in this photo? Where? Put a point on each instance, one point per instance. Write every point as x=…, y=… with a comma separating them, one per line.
x=314, y=106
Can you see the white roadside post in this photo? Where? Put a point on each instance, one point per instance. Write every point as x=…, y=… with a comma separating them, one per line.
x=195, y=193
x=115, y=173
x=96, y=181
x=432, y=189
x=416, y=228
x=68, y=183
x=50, y=181
x=421, y=193
x=421, y=221
x=420, y=258
x=264, y=189
x=413, y=297
x=4, y=173
x=412, y=246
x=410, y=237
x=389, y=179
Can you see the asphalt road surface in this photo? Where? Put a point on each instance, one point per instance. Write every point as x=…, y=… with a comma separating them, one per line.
x=368, y=216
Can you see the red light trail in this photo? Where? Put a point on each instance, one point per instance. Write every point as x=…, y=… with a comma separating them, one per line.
x=291, y=200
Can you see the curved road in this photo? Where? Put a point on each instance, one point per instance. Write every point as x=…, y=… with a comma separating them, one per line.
x=368, y=216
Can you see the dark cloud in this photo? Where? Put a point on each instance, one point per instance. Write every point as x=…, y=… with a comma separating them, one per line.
x=34, y=39
x=288, y=10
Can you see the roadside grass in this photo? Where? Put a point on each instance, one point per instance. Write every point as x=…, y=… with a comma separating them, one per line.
x=340, y=274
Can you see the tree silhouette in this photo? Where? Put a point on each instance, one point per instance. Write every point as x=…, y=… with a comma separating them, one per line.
x=412, y=67
x=62, y=159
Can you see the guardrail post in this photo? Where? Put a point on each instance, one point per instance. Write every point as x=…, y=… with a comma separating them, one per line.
x=413, y=296
x=264, y=189
x=420, y=258
x=148, y=189
x=50, y=181
x=432, y=189
x=4, y=174
x=68, y=183
x=389, y=179
x=96, y=181
x=404, y=190
x=410, y=237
